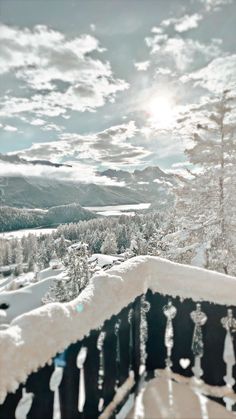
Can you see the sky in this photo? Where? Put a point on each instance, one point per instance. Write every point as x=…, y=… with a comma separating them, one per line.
x=103, y=84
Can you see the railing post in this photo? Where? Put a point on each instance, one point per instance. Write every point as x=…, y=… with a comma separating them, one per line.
x=136, y=337
x=43, y=397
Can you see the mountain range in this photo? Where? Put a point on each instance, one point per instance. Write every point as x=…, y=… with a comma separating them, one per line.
x=150, y=185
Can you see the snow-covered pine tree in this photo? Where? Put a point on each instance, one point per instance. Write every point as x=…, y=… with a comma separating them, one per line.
x=78, y=271
x=2, y=251
x=18, y=258
x=44, y=252
x=96, y=242
x=123, y=241
x=56, y=292
x=206, y=202
x=138, y=244
x=61, y=247
x=8, y=253
x=31, y=246
x=41, y=259
x=109, y=246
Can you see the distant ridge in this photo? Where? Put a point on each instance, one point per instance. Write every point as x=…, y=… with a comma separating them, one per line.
x=155, y=185
x=42, y=192
x=19, y=218
x=150, y=185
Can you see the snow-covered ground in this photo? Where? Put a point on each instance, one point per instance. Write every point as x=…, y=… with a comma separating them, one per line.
x=24, y=299
x=48, y=272
x=4, y=282
x=30, y=297
x=104, y=260
x=23, y=347
x=18, y=234
x=25, y=292
x=13, y=283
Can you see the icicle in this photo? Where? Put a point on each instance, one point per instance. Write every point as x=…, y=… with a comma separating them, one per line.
x=54, y=384
x=229, y=403
x=199, y=318
x=80, y=360
x=101, y=371
x=55, y=381
x=130, y=320
x=144, y=307
x=203, y=401
x=169, y=311
x=229, y=323
x=24, y=405
x=117, y=329
x=170, y=394
x=172, y=406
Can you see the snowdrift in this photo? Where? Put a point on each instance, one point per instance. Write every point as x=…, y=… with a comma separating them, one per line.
x=29, y=297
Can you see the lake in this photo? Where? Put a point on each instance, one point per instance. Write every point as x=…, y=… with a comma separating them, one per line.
x=115, y=210
x=109, y=210
x=18, y=234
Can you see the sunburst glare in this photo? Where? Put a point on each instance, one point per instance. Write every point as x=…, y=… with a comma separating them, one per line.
x=161, y=109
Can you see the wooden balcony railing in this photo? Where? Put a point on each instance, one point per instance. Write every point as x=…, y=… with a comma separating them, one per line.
x=94, y=377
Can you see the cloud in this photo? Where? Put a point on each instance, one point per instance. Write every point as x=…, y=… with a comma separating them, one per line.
x=59, y=73
x=109, y=147
x=52, y=127
x=184, y=169
x=187, y=22
x=215, y=5
x=80, y=173
x=15, y=159
x=42, y=55
x=157, y=29
x=37, y=122
x=163, y=71
x=10, y=128
x=182, y=172
x=182, y=24
x=218, y=75
x=181, y=54
x=181, y=164
x=142, y=65
x=78, y=97
x=105, y=147
x=92, y=27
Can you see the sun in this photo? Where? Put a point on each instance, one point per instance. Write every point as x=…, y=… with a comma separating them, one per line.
x=161, y=110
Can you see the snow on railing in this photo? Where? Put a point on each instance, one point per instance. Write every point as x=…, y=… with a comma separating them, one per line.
x=179, y=328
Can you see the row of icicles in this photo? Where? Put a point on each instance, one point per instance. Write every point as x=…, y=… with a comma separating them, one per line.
x=198, y=317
